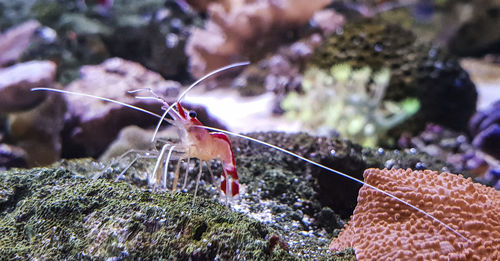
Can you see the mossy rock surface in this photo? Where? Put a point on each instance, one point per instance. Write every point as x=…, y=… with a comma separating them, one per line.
x=287, y=179
x=56, y=213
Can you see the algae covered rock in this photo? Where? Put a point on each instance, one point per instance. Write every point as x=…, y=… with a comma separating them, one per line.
x=478, y=32
x=273, y=174
x=61, y=213
x=447, y=95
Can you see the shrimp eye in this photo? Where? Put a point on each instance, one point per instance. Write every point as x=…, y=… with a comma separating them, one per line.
x=192, y=114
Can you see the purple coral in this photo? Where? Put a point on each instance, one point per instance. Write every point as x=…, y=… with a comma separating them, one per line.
x=485, y=127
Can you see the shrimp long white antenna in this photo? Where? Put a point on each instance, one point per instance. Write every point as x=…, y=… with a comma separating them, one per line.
x=96, y=97
x=210, y=74
x=339, y=173
x=191, y=87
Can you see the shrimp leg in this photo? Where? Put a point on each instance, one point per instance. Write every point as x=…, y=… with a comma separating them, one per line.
x=165, y=170
x=155, y=175
x=176, y=175
x=120, y=176
x=197, y=181
x=186, y=175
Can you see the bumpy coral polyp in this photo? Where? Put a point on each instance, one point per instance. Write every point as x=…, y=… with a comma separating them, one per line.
x=383, y=229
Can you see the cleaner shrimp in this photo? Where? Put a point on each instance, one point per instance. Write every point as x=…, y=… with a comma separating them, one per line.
x=200, y=143
x=195, y=142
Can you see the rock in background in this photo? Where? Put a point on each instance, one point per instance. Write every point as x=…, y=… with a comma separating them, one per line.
x=75, y=33
x=33, y=120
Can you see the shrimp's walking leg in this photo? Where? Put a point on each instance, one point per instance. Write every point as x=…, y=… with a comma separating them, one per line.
x=165, y=170
x=126, y=168
x=176, y=175
x=186, y=175
x=155, y=177
x=120, y=176
x=225, y=184
x=211, y=175
x=97, y=176
x=198, y=180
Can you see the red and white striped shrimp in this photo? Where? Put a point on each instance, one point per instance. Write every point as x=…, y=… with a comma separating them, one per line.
x=197, y=141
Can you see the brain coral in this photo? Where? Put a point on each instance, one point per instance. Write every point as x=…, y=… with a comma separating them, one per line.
x=383, y=229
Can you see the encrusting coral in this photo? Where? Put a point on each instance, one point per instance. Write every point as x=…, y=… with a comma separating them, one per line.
x=384, y=229
x=243, y=29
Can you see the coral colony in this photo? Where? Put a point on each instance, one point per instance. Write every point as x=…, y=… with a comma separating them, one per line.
x=349, y=101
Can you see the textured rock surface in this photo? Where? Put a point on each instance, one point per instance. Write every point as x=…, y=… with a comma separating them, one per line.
x=324, y=187
x=16, y=82
x=38, y=131
x=383, y=229
x=15, y=41
x=93, y=123
x=61, y=213
x=450, y=146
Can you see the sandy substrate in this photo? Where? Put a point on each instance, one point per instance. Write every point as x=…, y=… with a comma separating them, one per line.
x=486, y=76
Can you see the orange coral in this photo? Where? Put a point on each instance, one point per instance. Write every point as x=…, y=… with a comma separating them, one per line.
x=384, y=229
x=242, y=29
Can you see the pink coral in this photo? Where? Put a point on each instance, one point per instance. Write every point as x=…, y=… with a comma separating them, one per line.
x=384, y=229
x=245, y=29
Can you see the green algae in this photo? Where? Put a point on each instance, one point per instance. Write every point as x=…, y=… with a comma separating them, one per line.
x=55, y=213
